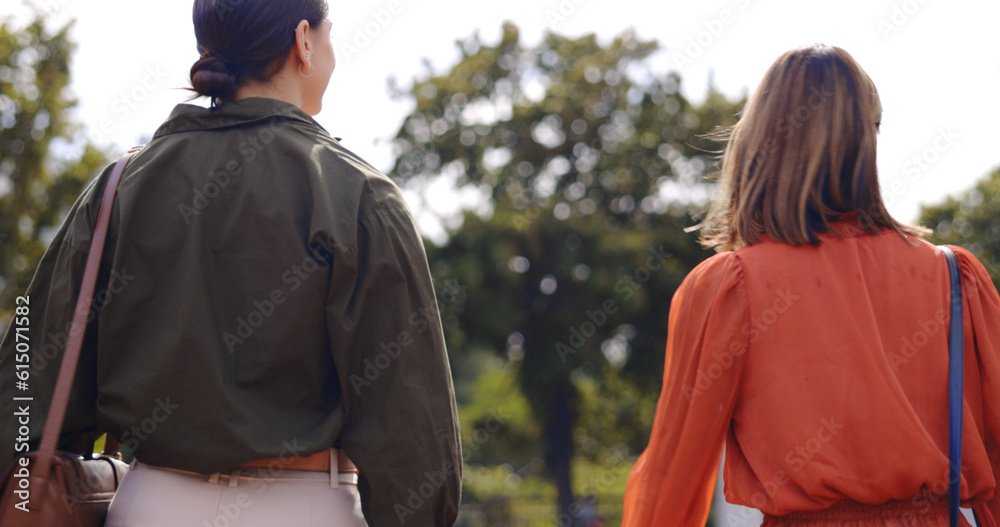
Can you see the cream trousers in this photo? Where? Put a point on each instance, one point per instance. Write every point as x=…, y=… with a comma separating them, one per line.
x=157, y=497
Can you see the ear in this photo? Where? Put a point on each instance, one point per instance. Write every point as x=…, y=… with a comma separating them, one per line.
x=302, y=50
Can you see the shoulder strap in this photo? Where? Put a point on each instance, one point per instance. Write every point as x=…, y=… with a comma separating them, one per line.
x=57, y=410
x=955, y=391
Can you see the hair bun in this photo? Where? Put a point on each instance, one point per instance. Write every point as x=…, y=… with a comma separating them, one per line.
x=246, y=41
x=215, y=76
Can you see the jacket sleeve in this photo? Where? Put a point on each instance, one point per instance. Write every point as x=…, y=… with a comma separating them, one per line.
x=982, y=347
x=45, y=313
x=401, y=422
x=673, y=481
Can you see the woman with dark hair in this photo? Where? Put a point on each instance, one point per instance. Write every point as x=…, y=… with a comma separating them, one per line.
x=815, y=345
x=267, y=343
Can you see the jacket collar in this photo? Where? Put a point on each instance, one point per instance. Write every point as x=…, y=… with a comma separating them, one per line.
x=232, y=114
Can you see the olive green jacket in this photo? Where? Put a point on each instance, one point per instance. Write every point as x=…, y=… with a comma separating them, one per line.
x=264, y=292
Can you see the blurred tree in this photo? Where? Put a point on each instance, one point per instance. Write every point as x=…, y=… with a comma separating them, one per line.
x=972, y=220
x=44, y=163
x=496, y=417
x=585, y=159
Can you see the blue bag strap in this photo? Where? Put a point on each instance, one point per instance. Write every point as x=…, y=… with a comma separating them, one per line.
x=955, y=351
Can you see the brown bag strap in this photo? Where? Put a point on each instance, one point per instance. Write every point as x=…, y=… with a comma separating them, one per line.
x=57, y=410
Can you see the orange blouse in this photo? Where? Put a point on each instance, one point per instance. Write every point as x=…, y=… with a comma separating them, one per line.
x=824, y=370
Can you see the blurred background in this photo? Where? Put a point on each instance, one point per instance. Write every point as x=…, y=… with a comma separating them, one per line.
x=553, y=151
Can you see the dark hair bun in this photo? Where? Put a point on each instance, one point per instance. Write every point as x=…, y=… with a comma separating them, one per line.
x=242, y=41
x=215, y=77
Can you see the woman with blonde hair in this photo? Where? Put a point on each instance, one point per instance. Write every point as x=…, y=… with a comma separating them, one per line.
x=815, y=345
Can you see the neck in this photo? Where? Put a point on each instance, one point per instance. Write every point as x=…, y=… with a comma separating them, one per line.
x=275, y=88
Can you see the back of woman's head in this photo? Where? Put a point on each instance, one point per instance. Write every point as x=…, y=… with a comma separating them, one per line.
x=802, y=155
x=245, y=40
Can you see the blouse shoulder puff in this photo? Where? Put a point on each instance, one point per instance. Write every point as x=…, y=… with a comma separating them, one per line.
x=719, y=269
x=974, y=274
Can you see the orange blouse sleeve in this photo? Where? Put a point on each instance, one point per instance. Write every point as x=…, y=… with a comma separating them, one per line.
x=982, y=317
x=707, y=337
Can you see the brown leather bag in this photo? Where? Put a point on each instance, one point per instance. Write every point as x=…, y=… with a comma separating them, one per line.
x=77, y=491
x=51, y=488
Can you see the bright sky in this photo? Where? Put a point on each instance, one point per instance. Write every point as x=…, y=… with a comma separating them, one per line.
x=936, y=65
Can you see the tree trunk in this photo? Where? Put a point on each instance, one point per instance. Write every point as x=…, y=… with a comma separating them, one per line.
x=559, y=431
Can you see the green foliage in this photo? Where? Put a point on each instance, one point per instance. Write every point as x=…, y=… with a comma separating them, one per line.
x=612, y=291
x=528, y=500
x=591, y=164
x=614, y=412
x=569, y=121
x=972, y=221
x=43, y=163
x=497, y=425
x=503, y=480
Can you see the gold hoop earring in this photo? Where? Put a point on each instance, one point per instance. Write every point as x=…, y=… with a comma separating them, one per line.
x=304, y=75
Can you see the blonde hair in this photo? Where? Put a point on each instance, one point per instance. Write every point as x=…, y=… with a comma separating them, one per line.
x=801, y=155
